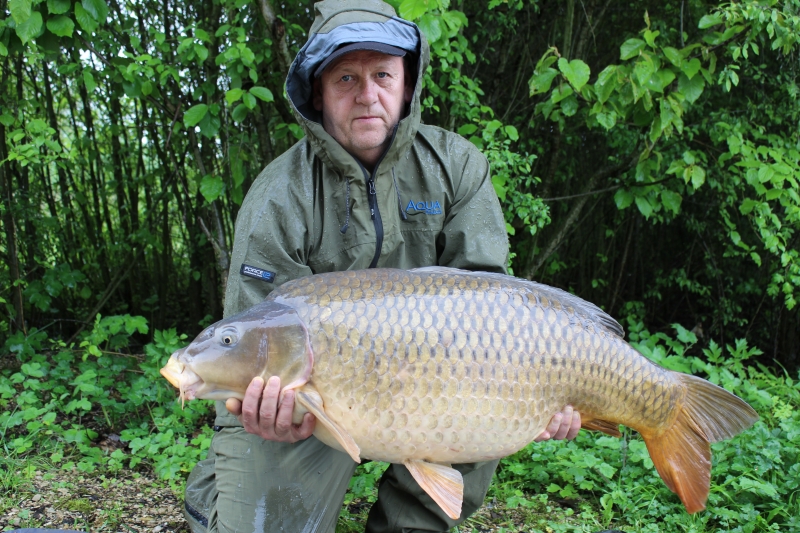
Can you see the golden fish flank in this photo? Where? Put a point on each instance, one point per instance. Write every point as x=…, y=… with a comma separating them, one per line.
x=436, y=366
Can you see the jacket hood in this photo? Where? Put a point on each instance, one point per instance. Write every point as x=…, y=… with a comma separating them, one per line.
x=340, y=22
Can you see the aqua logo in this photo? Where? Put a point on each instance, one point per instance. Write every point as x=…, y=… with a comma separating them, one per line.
x=429, y=208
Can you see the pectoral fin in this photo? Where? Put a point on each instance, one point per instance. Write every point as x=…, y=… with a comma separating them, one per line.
x=442, y=483
x=312, y=401
x=594, y=424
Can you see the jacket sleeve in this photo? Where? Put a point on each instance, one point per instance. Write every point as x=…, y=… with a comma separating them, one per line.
x=474, y=234
x=270, y=236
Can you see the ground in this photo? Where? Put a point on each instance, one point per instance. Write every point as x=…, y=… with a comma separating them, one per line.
x=127, y=502
x=47, y=497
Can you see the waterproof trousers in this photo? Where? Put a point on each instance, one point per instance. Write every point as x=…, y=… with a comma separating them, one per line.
x=248, y=484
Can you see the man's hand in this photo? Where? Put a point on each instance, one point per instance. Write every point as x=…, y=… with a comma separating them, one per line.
x=563, y=425
x=262, y=415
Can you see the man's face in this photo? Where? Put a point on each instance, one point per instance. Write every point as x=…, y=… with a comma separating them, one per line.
x=362, y=96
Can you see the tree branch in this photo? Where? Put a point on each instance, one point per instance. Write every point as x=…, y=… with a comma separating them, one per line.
x=278, y=34
x=574, y=211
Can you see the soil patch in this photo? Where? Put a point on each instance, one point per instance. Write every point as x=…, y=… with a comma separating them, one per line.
x=127, y=502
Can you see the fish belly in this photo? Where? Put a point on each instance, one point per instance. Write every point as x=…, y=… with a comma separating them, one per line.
x=456, y=368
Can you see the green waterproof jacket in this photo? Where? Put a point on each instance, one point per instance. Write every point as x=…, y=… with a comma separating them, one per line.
x=429, y=201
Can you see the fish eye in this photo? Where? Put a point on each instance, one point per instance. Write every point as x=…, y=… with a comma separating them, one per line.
x=228, y=338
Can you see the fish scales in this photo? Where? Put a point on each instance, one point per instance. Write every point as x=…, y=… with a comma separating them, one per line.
x=435, y=366
x=410, y=323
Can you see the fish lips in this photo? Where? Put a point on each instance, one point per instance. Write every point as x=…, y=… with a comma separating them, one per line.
x=180, y=377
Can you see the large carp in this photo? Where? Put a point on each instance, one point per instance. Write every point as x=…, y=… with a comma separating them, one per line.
x=436, y=366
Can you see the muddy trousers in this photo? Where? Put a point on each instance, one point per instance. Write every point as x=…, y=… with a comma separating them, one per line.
x=248, y=484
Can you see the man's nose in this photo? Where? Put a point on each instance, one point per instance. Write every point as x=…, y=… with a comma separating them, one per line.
x=368, y=92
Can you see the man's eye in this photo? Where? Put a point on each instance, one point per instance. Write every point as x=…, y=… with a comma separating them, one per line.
x=347, y=77
x=383, y=74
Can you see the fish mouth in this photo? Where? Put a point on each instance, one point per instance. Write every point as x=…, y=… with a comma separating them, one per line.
x=183, y=379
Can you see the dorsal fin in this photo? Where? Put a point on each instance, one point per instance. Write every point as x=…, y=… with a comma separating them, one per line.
x=584, y=309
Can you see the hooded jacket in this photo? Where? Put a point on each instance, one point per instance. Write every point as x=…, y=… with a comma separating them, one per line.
x=429, y=200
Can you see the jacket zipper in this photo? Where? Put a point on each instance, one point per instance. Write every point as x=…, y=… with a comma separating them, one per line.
x=375, y=213
x=372, y=196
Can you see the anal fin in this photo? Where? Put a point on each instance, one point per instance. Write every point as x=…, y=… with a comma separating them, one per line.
x=442, y=483
x=312, y=401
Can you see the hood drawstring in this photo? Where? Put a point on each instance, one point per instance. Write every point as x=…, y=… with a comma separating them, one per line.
x=399, y=200
x=343, y=229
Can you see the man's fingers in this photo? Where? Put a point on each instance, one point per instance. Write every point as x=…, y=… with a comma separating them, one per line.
x=306, y=428
x=576, y=425
x=234, y=406
x=250, y=404
x=565, y=425
x=283, y=422
x=550, y=430
x=269, y=402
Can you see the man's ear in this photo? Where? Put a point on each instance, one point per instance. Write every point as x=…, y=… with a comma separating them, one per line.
x=316, y=94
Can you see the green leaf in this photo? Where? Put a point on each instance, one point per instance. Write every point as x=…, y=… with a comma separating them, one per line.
x=20, y=10
x=240, y=113
x=608, y=120
x=209, y=126
x=644, y=206
x=467, y=129
x=97, y=9
x=211, y=187
x=623, y=199
x=3, y=50
x=194, y=115
x=61, y=26
x=748, y=205
x=233, y=95
x=88, y=80
x=262, y=93
x=249, y=100
x=710, y=20
x=569, y=105
x=512, y=133
x=560, y=93
x=201, y=51
x=576, y=71
x=86, y=21
x=674, y=56
x=413, y=9
x=540, y=83
x=643, y=70
x=671, y=200
x=691, y=89
x=58, y=7
x=430, y=26
x=606, y=82
x=698, y=177
x=631, y=48
x=6, y=120
x=31, y=28
x=691, y=67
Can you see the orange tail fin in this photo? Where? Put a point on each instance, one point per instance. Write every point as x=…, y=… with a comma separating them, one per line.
x=682, y=453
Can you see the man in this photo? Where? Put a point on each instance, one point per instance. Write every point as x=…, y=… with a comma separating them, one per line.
x=367, y=187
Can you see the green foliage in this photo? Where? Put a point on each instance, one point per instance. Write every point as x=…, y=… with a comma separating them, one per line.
x=62, y=400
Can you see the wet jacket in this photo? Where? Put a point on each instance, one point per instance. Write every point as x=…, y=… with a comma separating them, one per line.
x=429, y=201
